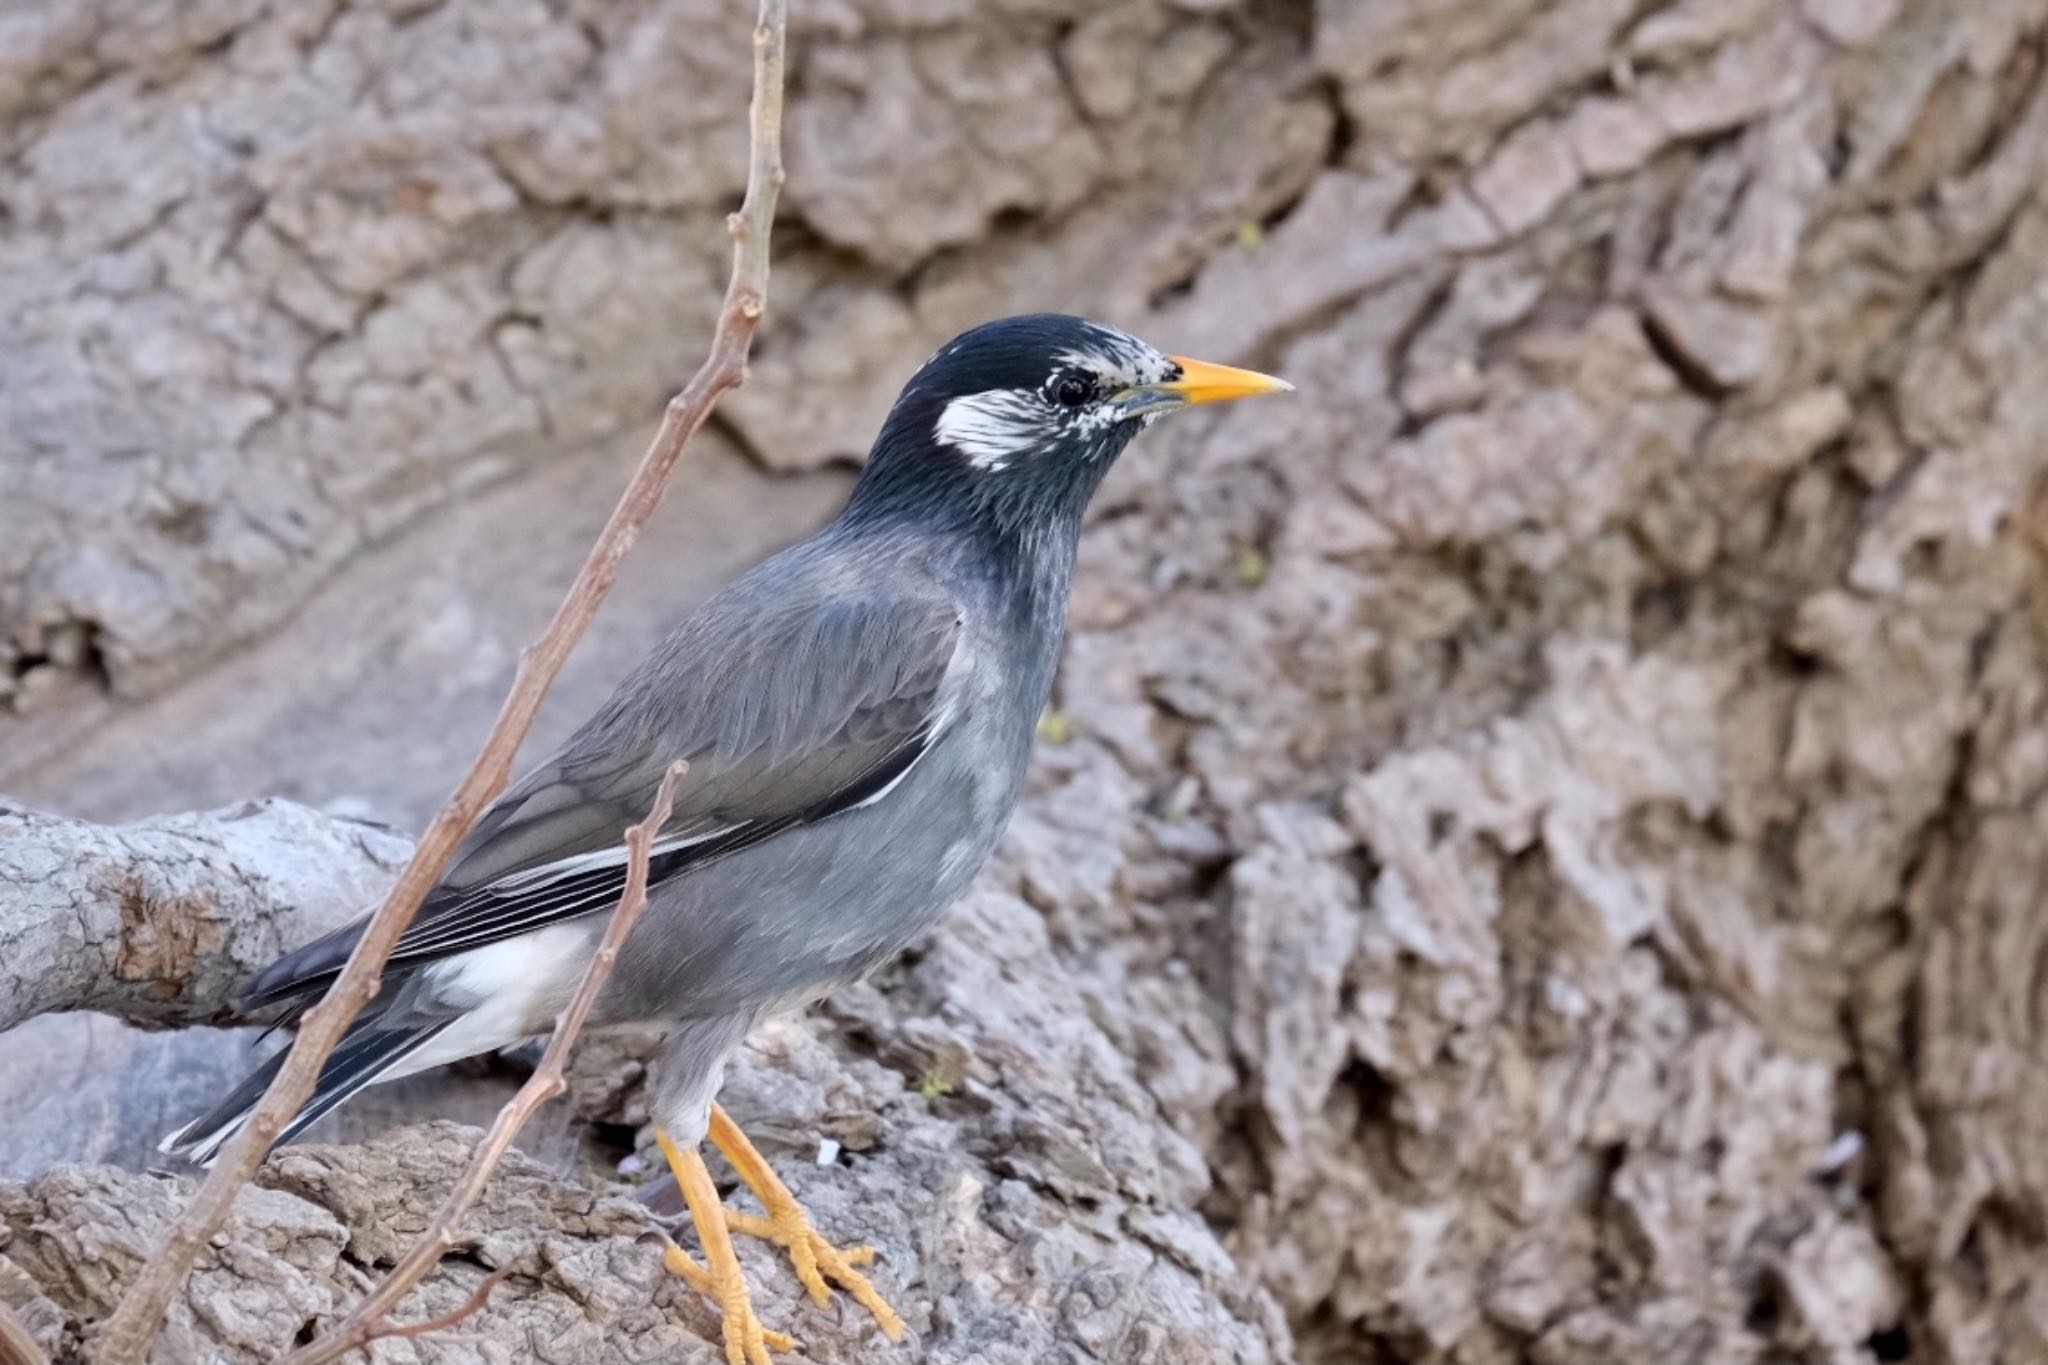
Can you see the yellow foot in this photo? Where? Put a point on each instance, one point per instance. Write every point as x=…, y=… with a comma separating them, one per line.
x=788, y=1226
x=747, y=1342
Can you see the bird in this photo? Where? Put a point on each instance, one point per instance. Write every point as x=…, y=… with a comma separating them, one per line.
x=853, y=718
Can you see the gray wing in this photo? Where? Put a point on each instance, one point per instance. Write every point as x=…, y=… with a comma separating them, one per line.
x=789, y=708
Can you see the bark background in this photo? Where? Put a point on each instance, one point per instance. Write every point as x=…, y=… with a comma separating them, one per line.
x=1540, y=851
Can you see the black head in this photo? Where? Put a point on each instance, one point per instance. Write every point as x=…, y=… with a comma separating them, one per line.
x=1021, y=418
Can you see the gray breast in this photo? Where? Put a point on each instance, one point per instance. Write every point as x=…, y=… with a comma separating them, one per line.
x=823, y=904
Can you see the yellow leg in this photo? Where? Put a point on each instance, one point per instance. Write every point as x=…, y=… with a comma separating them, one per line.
x=746, y=1341
x=788, y=1226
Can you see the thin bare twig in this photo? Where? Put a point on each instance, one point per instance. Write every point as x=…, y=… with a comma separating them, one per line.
x=473, y=1304
x=125, y=1337
x=365, y=1323
x=17, y=1347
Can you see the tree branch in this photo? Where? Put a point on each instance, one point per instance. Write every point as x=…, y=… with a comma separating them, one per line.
x=467, y=1308
x=159, y=922
x=125, y=1338
x=366, y=1322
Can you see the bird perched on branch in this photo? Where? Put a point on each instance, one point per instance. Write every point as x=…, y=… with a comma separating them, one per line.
x=856, y=714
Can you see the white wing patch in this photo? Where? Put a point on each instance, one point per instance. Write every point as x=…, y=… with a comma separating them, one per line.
x=615, y=856
x=992, y=429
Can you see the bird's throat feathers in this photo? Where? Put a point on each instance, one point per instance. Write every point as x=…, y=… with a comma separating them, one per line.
x=1022, y=523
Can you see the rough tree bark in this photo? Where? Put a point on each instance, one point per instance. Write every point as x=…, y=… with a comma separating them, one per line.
x=1544, y=837
x=157, y=923
x=1011, y=1169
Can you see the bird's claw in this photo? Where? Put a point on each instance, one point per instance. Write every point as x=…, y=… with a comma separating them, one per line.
x=817, y=1260
x=747, y=1341
x=787, y=1225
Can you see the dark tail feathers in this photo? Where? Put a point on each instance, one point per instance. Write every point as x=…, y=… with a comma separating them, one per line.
x=366, y=1052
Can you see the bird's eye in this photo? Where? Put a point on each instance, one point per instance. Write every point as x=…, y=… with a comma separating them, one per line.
x=1073, y=391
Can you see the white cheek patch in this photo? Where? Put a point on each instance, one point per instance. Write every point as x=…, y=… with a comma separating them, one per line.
x=994, y=428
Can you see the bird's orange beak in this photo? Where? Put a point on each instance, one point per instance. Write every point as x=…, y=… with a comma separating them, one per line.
x=1201, y=382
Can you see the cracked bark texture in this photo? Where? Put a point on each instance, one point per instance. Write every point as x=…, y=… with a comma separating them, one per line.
x=586, y=1280
x=1010, y=1164
x=1540, y=853
x=158, y=923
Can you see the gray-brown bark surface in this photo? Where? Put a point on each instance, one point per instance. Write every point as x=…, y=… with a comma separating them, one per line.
x=1518, y=818
x=159, y=923
x=1007, y=1158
